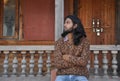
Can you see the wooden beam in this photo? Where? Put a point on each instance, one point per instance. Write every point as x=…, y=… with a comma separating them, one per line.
x=25, y=42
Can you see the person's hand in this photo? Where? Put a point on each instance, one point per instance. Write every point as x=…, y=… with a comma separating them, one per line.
x=66, y=57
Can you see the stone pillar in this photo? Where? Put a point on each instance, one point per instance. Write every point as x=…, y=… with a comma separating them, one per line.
x=59, y=18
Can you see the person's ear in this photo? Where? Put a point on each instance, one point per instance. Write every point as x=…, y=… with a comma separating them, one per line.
x=75, y=26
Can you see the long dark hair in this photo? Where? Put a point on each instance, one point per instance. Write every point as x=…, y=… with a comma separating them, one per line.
x=78, y=32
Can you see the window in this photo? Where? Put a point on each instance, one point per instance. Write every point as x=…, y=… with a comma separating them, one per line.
x=9, y=12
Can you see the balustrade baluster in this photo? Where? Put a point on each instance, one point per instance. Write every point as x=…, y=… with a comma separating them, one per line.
x=40, y=63
x=6, y=64
x=105, y=63
x=48, y=62
x=15, y=64
x=88, y=65
x=23, y=65
x=96, y=62
x=32, y=63
x=114, y=63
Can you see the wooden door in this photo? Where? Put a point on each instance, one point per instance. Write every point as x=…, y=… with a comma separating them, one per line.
x=102, y=11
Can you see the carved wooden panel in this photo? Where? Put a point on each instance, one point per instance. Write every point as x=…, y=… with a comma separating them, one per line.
x=104, y=10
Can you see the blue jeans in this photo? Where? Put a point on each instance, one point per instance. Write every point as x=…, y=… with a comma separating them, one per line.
x=70, y=78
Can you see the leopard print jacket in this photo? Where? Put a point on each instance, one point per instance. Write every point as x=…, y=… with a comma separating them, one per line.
x=78, y=59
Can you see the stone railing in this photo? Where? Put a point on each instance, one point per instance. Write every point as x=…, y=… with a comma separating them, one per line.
x=105, y=61
x=25, y=60
x=36, y=60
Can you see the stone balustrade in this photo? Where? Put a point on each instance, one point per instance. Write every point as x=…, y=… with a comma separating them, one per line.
x=36, y=60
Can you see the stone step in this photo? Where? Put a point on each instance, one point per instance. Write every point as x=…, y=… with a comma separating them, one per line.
x=47, y=78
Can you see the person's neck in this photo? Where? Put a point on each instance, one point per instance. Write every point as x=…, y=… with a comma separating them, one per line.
x=70, y=37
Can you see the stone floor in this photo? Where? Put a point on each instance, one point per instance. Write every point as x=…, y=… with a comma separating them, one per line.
x=47, y=78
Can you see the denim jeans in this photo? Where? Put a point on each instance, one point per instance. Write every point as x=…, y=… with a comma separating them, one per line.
x=71, y=78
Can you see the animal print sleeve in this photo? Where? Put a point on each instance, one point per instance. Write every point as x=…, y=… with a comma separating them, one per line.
x=59, y=63
x=82, y=60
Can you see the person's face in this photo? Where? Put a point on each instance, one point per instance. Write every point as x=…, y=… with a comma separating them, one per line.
x=68, y=24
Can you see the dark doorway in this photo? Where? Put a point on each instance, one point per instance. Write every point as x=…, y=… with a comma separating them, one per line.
x=118, y=31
